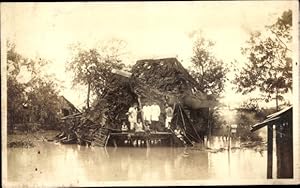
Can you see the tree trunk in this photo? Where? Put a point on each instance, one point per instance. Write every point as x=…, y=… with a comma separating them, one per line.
x=11, y=122
x=276, y=98
x=88, y=96
x=209, y=124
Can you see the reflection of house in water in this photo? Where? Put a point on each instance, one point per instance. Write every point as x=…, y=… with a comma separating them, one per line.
x=283, y=122
x=66, y=107
x=158, y=164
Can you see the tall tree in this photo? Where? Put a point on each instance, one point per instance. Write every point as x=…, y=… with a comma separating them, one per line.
x=92, y=67
x=42, y=98
x=15, y=90
x=34, y=99
x=208, y=71
x=269, y=66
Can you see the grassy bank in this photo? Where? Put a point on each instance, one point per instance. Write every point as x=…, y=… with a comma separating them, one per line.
x=31, y=139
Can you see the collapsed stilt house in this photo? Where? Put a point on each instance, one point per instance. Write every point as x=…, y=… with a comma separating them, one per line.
x=163, y=81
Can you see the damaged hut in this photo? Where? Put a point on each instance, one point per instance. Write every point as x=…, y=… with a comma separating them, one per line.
x=66, y=107
x=282, y=122
x=160, y=81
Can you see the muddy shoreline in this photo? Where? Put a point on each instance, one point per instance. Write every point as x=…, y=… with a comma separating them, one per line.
x=27, y=140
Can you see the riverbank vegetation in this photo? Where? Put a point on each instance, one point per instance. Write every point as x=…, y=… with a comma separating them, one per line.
x=21, y=139
x=32, y=97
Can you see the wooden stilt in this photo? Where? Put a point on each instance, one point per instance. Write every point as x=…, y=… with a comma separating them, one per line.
x=115, y=143
x=171, y=141
x=270, y=152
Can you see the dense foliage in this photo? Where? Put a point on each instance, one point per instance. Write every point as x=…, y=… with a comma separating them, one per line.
x=92, y=66
x=208, y=71
x=210, y=74
x=32, y=99
x=269, y=65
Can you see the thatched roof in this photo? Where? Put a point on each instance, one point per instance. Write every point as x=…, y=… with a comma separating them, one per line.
x=156, y=78
x=65, y=103
x=167, y=75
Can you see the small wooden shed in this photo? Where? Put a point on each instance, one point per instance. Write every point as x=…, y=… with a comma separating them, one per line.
x=66, y=107
x=283, y=123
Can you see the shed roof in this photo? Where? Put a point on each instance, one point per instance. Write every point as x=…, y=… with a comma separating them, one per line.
x=62, y=98
x=271, y=118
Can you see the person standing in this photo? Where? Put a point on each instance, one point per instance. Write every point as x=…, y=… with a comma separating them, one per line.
x=155, y=113
x=132, y=116
x=169, y=116
x=146, y=111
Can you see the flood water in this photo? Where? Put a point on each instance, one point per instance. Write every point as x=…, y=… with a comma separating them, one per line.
x=56, y=164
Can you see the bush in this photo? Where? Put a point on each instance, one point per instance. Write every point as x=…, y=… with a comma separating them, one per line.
x=20, y=144
x=27, y=127
x=245, y=121
x=250, y=136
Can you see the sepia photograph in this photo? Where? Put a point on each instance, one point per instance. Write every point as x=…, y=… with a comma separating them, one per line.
x=150, y=93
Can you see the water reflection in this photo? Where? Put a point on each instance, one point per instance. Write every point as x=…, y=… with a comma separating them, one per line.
x=71, y=164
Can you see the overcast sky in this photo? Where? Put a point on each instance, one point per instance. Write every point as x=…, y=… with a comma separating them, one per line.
x=151, y=30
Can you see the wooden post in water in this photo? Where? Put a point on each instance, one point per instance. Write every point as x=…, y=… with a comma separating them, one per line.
x=171, y=141
x=229, y=137
x=270, y=152
x=115, y=143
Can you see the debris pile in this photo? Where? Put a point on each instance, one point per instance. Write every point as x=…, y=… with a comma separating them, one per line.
x=80, y=129
x=116, y=101
x=181, y=120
